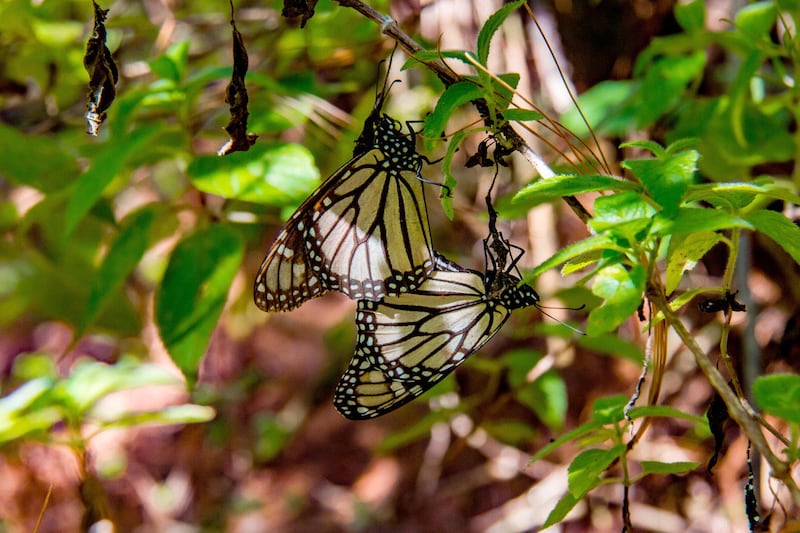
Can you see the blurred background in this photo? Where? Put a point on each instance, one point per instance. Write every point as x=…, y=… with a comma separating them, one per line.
x=277, y=456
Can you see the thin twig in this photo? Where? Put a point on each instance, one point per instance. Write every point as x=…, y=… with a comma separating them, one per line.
x=390, y=28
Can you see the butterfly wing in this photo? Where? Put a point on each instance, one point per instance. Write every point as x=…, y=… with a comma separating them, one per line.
x=408, y=343
x=364, y=232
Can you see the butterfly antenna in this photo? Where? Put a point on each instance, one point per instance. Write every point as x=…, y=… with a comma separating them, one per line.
x=551, y=317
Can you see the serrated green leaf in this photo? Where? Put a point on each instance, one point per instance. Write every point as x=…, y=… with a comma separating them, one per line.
x=622, y=291
x=272, y=174
x=106, y=165
x=730, y=195
x=584, y=471
x=664, y=84
x=653, y=147
x=666, y=179
x=612, y=210
x=491, y=26
x=684, y=252
x=695, y=219
x=657, y=467
x=778, y=228
x=590, y=244
x=122, y=257
x=546, y=190
x=193, y=293
x=455, y=96
x=779, y=395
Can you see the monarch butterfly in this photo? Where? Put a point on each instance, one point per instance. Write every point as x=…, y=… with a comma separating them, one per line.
x=408, y=343
x=363, y=232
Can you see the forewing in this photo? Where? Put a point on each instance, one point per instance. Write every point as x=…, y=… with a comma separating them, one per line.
x=407, y=344
x=285, y=279
x=369, y=235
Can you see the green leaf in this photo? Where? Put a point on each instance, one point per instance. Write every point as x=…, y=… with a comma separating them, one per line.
x=272, y=436
x=579, y=432
x=615, y=210
x=174, y=414
x=511, y=432
x=271, y=174
x=584, y=472
x=666, y=179
x=664, y=411
x=546, y=190
x=23, y=397
x=122, y=257
x=691, y=15
x=518, y=363
x=614, y=346
x=560, y=511
x=172, y=65
x=547, y=397
x=193, y=293
x=106, y=165
x=38, y=162
x=34, y=365
x=23, y=412
x=491, y=26
x=455, y=95
x=778, y=228
x=779, y=395
x=684, y=252
x=586, y=246
x=664, y=84
x=92, y=380
x=695, y=219
x=608, y=107
x=657, y=467
x=609, y=409
x=622, y=291
x=756, y=20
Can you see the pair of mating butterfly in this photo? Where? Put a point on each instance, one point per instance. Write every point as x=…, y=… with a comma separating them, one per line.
x=364, y=232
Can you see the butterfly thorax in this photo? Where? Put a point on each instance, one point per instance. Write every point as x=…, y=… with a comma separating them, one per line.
x=399, y=149
x=505, y=288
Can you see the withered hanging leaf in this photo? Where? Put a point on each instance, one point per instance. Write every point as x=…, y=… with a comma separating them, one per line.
x=236, y=97
x=725, y=304
x=103, y=73
x=750, y=502
x=717, y=415
x=302, y=9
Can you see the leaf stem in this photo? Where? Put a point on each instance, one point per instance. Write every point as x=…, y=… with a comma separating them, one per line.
x=735, y=406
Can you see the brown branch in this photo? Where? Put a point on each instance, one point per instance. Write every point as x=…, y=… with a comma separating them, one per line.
x=736, y=408
x=390, y=28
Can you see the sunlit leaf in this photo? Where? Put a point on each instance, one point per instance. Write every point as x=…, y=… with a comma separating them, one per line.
x=779, y=395
x=194, y=290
